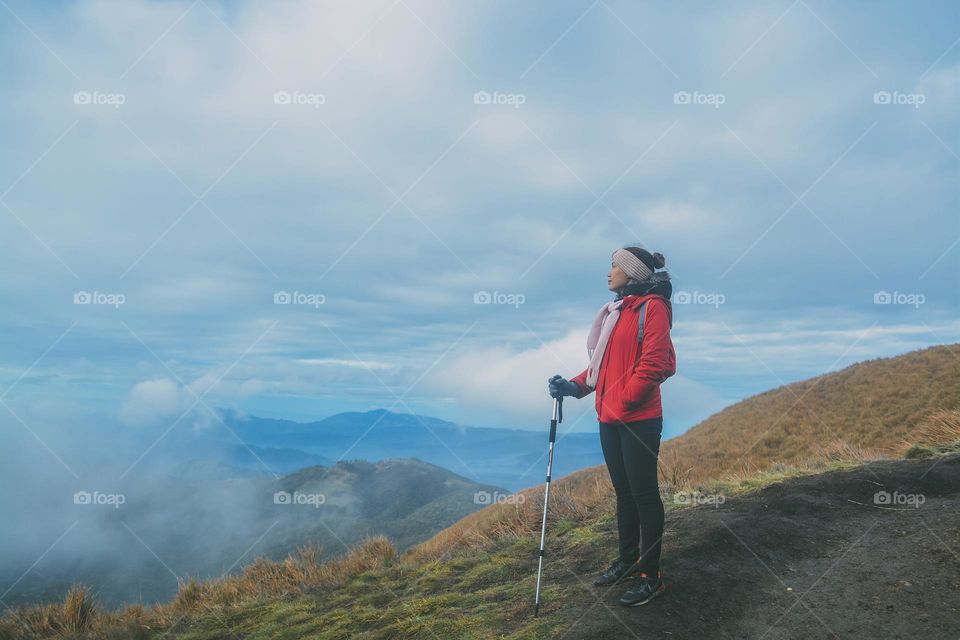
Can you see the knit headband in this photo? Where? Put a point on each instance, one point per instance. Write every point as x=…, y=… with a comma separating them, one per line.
x=631, y=265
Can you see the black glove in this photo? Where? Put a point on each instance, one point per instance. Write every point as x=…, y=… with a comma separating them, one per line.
x=558, y=386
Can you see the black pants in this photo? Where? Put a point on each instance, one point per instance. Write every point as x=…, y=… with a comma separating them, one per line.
x=630, y=451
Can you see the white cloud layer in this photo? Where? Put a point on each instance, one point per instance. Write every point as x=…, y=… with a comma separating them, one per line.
x=398, y=198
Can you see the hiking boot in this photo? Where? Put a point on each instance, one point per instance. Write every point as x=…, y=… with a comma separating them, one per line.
x=643, y=589
x=617, y=572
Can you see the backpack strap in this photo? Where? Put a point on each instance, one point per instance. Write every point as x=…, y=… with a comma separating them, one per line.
x=641, y=317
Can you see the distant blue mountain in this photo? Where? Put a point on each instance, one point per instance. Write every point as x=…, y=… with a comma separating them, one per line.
x=509, y=458
x=216, y=454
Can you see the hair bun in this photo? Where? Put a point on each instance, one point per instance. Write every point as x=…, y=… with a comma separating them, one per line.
x=659, y=260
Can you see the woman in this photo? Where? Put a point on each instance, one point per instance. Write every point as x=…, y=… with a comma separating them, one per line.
x=626, y=368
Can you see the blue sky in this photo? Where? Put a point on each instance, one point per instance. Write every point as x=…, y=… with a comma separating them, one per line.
x=183, y=163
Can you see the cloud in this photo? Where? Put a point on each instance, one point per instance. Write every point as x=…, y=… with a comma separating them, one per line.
x=509, y=382
x=162, y=401
x=304, y=197
x=153, y=401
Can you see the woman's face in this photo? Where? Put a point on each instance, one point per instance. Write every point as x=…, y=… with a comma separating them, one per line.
x=616, y=278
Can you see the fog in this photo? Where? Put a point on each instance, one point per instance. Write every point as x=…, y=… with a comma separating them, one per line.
x=86, y=497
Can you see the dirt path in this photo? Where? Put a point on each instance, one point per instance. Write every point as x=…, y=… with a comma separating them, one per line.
x=809, y=558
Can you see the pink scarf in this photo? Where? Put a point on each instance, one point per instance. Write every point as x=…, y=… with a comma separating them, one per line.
x=599, y=335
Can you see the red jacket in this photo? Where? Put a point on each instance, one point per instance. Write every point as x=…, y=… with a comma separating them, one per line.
x=628, y=384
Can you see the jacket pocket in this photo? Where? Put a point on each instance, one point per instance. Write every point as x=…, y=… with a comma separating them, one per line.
x=628, y=395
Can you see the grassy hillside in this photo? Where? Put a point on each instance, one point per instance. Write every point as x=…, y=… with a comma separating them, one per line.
x=404, y=498
x=481, y=584
x=790, y=513
x=874, y=405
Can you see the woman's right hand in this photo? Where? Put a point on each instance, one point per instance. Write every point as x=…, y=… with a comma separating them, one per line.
x=558, y=386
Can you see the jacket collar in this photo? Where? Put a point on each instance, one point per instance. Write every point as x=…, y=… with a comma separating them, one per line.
x=658, y=284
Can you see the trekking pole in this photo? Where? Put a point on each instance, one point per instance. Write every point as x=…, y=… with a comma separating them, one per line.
x=555, y=419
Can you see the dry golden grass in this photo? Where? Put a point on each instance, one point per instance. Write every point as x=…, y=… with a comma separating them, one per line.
x=940, y=427
x=875, y=405
x=77, y=614
x=260, y=580
x=78, y=609
x=263, y=578
x=676, y=472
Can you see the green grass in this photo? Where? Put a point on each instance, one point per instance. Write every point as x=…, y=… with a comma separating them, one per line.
x=374, y=613
x=931, y=450
x=479, y=595
x=778, y=473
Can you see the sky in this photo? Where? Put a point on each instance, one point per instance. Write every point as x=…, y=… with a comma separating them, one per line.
x=301, y=208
